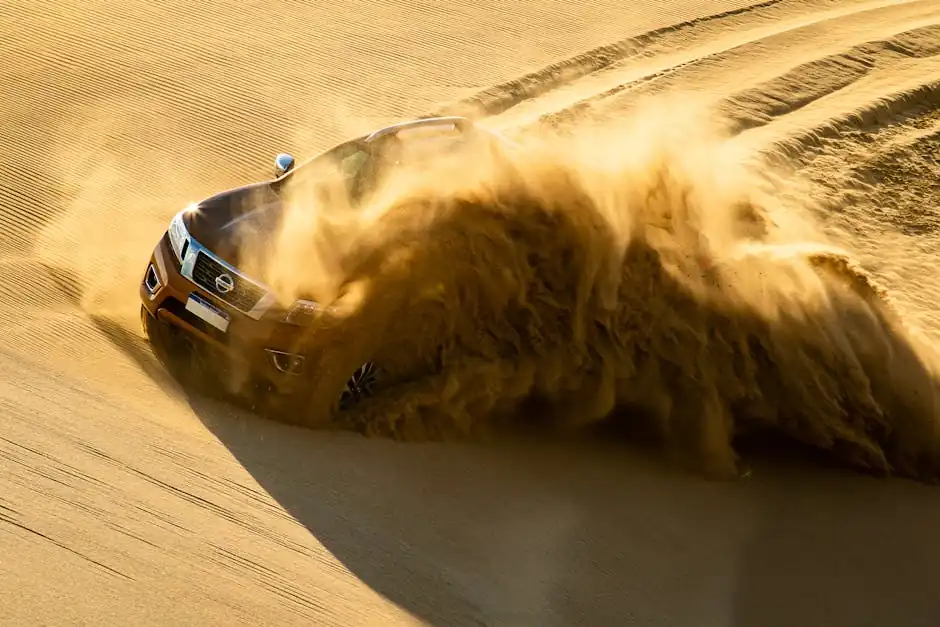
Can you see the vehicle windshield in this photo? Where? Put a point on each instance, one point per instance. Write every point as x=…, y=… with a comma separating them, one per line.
x=355, y=169
x=338, y=171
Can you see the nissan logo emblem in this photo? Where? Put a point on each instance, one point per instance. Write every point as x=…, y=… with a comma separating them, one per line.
x=224, y=283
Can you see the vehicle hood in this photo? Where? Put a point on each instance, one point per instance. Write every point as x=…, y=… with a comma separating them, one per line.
x=232, y=221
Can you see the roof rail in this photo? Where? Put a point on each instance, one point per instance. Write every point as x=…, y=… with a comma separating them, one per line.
x=463, y=124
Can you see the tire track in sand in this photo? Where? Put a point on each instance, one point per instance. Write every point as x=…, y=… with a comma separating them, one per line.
x=821, y=90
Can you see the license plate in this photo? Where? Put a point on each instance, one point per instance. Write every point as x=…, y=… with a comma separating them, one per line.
x=208, y=312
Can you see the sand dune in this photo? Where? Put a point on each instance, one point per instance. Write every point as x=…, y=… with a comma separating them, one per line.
x=126, y=500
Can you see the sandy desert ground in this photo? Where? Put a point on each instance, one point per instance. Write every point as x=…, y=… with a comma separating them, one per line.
x=125, y=500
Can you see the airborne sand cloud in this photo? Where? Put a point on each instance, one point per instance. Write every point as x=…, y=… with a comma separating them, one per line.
x=639, y=267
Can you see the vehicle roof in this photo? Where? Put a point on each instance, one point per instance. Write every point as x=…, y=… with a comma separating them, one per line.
x=460, y=122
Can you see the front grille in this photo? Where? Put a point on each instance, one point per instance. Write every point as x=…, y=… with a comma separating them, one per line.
x=244, y=294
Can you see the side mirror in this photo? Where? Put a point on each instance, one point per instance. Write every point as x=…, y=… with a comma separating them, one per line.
x=283, y=163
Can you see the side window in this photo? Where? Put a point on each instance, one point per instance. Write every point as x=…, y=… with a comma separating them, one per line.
x=354, y=168
x=345, y=164
x=351, y=165
x=386, y=153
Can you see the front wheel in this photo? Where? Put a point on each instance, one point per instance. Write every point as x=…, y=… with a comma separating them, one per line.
x=166, y=346
x=361, y=385
x=192, y=365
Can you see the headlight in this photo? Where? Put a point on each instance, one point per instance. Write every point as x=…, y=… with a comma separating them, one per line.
x=179, y=236
x=301, y=312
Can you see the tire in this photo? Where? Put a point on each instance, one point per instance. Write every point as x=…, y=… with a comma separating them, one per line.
x=160, y=338
x=360, y=386
x=180, y=356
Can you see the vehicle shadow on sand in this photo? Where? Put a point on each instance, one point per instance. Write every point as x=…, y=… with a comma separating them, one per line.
x=590, y=533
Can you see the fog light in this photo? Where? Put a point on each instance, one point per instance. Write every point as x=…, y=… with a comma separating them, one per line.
x=151, y=280
x=288, y=363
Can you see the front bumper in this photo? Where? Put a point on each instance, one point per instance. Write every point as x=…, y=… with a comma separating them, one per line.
x=255, y=333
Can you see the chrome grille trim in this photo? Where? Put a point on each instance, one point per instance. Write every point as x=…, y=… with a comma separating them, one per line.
x=189, y=262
